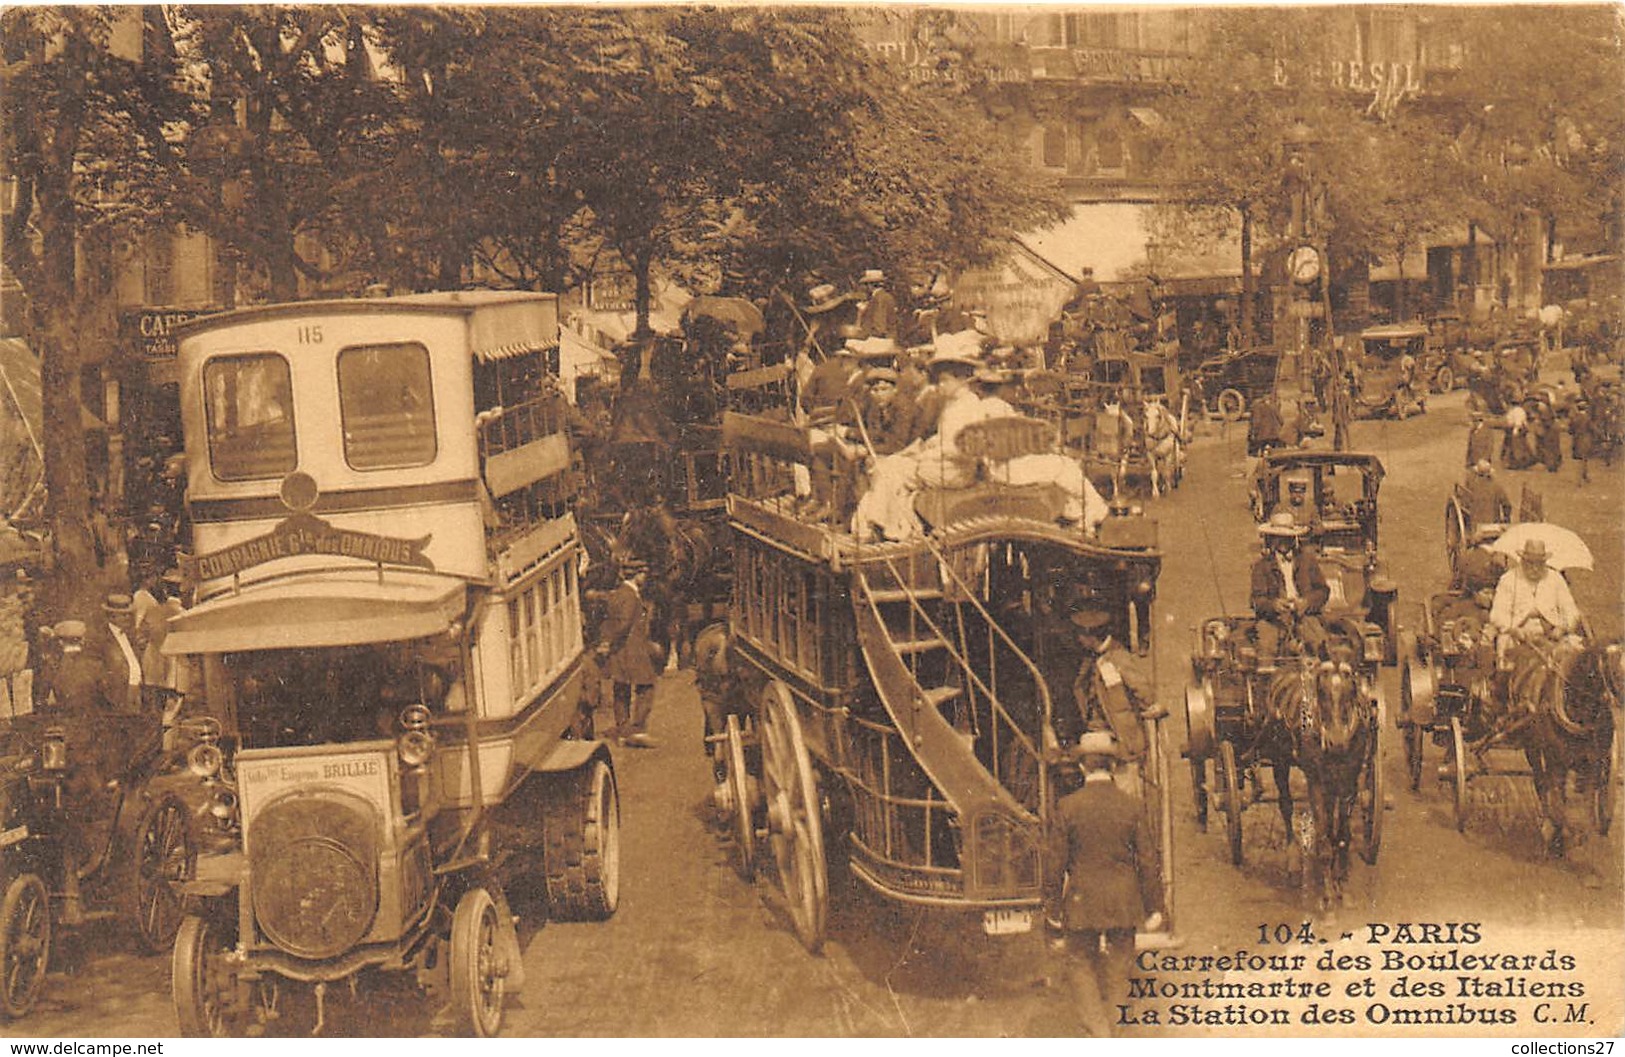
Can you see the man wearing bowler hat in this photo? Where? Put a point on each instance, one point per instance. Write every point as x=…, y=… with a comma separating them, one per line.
x=1113, y=689
x=1100, y=883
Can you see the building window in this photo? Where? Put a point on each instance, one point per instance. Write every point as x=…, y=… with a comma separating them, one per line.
x=1109, y=149
x=1054, y=146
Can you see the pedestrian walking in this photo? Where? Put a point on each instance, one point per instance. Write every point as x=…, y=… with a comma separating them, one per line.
x=627, y=655
x=1100, y=884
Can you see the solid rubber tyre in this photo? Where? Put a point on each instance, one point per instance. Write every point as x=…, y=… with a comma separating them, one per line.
x=581, y=846
x=478, y=980
x=25, y=944
x=200, y=981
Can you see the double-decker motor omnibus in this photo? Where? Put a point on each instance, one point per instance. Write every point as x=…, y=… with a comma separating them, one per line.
x=388, y=627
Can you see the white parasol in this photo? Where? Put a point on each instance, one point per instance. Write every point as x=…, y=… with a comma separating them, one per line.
x=1564, y=549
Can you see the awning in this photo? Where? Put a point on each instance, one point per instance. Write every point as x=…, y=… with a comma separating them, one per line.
x=502, y=324
x=315, y=611
x=1568, y=264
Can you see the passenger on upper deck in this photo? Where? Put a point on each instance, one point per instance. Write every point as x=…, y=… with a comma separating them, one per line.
x=887, y=508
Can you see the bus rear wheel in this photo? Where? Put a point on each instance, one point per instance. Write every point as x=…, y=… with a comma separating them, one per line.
x=581, y=851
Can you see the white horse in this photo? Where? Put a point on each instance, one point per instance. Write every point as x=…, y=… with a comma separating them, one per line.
x=1163, y=448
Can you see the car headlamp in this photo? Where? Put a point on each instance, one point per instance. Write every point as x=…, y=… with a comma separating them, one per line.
x=205, y=760
x=414, y=747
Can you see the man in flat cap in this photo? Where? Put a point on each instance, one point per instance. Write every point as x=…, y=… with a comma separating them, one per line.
x=1484, y=497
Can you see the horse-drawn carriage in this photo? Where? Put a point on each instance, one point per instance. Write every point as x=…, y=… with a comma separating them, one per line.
x=1127, y=420
x=1551, y=700
x=1335, y=494
x=1323, y=713
x=886, y=705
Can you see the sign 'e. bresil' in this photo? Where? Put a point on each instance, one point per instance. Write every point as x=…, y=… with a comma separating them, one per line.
x=304, y=534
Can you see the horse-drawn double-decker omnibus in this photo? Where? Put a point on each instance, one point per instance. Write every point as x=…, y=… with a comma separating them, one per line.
x=387, y=623
x=889, y=702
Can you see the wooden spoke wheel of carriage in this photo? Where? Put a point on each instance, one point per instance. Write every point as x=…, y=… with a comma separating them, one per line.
x=1373, y=791
x=1231, y=404
x=1412, y=729
x=1602, y=790
x=1230, y=781
x=741, y=798
x=1458, y=749
x=1455, y=532
x=795, y=828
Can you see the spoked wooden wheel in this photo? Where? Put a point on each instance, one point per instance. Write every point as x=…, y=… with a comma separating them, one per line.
x=741, y=799
x=164, y=856
x=794, y=817
x=1458, y=749
x=1455, y=533
x=1230, y=777
x=478, y=977
x=203, y=984
x=1373, y=792
x=25, y=944
x=1412, y=729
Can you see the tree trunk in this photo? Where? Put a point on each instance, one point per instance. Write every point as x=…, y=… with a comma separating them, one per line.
x=1248, y=293
x=641, y=261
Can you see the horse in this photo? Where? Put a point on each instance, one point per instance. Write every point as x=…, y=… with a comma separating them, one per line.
x=1572, y=693
x=1162, y=447
x=1318, y=718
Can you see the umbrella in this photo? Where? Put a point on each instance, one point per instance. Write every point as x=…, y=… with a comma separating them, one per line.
x=1564, y=549
x=736, y=313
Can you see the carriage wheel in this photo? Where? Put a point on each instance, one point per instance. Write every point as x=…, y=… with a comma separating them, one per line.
x=1602, y=792
x=1455, y=534
x=25, y=944
x=1375, y=788
x=794, y=817
x=164, y=856
x=1458, y=748
x=1231, y=779
x=741, y=799
x=1199, y=790
x=1231, y=403
x=1413, y=729
x=1444, y=380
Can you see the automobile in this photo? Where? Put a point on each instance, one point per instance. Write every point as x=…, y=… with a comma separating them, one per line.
x=387, y=621
x=1386, y=371
x=1454, y=352
x=1231, y=382
x=132, y=855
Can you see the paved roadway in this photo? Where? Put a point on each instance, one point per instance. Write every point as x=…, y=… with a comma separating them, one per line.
x=696, y=951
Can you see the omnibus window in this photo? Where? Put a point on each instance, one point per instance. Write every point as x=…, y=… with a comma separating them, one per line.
x=249, y=404
x=386, y=403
